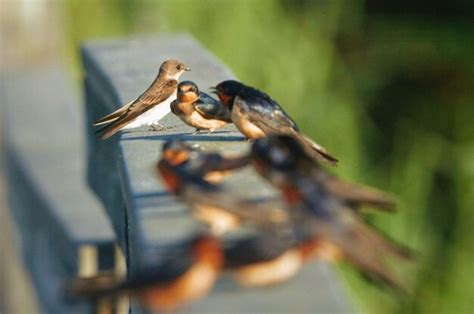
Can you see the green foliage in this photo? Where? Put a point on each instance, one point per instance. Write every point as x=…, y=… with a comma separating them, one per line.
x=389, y=95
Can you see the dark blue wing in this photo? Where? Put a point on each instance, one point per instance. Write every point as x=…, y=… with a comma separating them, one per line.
x=264, y=112
x=211, y=108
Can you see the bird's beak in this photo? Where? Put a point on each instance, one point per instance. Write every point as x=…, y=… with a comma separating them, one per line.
x=187, y=69
x=214, y=90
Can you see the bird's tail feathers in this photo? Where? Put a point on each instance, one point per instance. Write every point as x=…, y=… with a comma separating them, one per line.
x=113, y=116
x=313, y=149
x=360, y=194
x=369, y=251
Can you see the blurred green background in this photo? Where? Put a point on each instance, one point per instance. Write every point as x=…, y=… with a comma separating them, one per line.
x=384, y=85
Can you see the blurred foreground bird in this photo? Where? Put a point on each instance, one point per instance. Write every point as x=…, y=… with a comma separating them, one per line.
x=290, y=156
x=150, y=106
x=198, y=109
x=210, y=203
x=213, y=167
x=256, y=115
x=283, y=162
x=184, y=277
x=274, y=255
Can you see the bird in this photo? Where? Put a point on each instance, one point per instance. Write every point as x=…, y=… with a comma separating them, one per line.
x=211, y=203
x=328, y=216
x=271, y=255
x=149, y=107
x=212, y=166
x=292, y=156
x=256, y=115
x=185, y=276
x=198, y=109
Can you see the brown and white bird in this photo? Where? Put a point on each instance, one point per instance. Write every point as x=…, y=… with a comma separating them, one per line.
x=149, y=107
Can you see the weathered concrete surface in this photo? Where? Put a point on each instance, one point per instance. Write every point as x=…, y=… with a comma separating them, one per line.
x=54, y=211
x=122, y=173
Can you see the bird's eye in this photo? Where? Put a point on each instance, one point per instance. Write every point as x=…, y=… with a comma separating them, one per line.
x=178, y=67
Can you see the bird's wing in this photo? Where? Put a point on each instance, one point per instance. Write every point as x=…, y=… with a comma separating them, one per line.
x=114, y=115
x=312, y=148
x=359, y=194
x=206, y=163
x=211, y=108
x=341, y=226
x=257, y=213
x=155, y=95
x=265, y=114
x=261, y=247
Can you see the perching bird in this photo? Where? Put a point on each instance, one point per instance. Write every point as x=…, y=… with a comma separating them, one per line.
x=211, y=203
x=272, y=256
x=150, y=106
x=213, y=167
x=330, y=217
x=187, y=275
x=256, y=115
x=293, y=157
x=198, y=109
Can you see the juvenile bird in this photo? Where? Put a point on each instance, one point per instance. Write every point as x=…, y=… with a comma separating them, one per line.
x=256, y=115
x=150, y=106
x=198, y=109
x=277, y=159
x=187, y=275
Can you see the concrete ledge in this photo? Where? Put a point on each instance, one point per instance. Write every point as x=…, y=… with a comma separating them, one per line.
x=121, y=172
x=64, y=230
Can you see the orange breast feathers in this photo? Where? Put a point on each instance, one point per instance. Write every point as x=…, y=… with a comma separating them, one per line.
x=194, y=284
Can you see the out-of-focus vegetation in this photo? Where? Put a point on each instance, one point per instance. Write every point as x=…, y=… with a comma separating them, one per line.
x=384, y=85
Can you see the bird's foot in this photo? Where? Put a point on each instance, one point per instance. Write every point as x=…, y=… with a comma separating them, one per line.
x=156, y=127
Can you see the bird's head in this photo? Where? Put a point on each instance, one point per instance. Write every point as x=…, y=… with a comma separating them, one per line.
x=187, y=92
x=172, y=69
x=227, y=90
x=275, y=156
x=176, y=152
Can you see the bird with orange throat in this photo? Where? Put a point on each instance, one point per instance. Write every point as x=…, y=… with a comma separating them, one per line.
x=213, y=204
x=198, y=109
x=330, y=215
x=211, y=166
x=257, y=115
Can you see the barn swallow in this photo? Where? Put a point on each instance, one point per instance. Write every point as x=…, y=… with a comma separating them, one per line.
x=150, y=106
x=211, y=203
x=332, y=220
x=213, y=167
x=285, y=152
x=198, y=109
x=271, y=256
x=257, y=115
x=186, y=275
